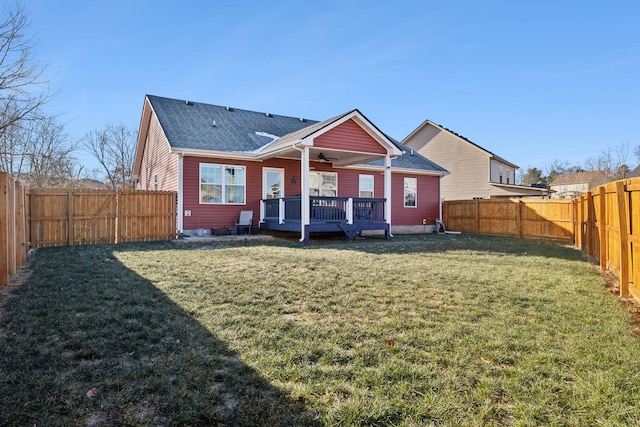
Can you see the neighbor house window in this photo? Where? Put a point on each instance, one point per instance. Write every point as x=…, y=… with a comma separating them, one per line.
x=222, y=184
x=410, y=192
x=366, y=186
x=323, y=184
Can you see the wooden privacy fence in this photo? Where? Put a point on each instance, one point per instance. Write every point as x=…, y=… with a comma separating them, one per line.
x=41, y=218
x=14, y=240
x=87, y=217
x=608, y=230
x=521, y=218
x=603, y=223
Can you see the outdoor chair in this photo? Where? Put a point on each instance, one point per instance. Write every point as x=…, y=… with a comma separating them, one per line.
x=245, y=221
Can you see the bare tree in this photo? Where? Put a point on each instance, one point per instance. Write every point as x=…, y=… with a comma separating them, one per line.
x=23, y=88
x=612, y=161
x=114, y=149
x=41, y=154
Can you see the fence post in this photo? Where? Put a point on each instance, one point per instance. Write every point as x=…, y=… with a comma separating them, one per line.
x=519, y=217
x=117, y=222
x=590, y=224
x=4, y=235
x=603, y=228
x=21, y=217
x=69, y=218
x=623, y=221
x=11, y=221
x=477, y=224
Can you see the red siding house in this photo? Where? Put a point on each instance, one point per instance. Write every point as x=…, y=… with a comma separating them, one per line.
x=298, y=175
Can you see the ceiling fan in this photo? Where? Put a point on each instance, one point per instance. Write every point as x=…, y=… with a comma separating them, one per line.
x=324, y=158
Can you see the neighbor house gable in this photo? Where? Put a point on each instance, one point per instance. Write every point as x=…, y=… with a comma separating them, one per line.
x=474, y=171
x=428, y=130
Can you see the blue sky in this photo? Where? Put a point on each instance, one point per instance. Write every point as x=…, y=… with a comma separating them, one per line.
x=532, y=81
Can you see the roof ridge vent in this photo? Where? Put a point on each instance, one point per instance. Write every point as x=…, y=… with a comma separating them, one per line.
x=302, y=119
x=228, y=108
x=188, y=102
x=268, y=114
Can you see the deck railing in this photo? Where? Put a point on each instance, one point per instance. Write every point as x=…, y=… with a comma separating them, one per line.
x=324, y=209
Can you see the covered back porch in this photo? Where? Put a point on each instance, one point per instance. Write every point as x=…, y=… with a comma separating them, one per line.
x=350, y=215
x=341, y=142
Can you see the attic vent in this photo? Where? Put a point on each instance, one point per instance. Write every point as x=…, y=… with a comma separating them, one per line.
x=188, y=102
x=214, y=123
x=268, y=114
x=411, y=150
x=302, y=119
x=228, y=108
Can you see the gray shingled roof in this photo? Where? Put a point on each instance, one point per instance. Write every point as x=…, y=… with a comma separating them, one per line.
x=409, y=160
x=190, y=125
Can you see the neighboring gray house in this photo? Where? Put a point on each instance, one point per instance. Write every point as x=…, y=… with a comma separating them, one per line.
x=475, y=173
x=572, y=185
x=634, y=173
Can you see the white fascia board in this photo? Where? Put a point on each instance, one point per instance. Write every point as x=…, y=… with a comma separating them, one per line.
x=274, y=151
x=378, y=136
x=215, y=154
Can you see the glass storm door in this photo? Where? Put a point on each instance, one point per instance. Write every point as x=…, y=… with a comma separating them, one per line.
x=272, y=183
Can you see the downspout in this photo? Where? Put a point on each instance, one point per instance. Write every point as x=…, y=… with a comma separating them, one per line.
x=304, y=190
x=180, y=192
x=440, y=197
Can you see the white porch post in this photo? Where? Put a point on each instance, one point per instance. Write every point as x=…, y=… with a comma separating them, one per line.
x=387, y=189
x=349, y=209
x=281, y=208
x=304, y=191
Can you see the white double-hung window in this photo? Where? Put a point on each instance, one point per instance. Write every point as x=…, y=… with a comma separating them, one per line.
x=222, y=184
x=323, y=184
x=366, y=186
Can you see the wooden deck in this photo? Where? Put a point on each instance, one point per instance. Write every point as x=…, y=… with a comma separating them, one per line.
x=327, y=214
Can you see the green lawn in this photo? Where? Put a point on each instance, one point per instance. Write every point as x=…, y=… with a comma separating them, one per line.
x=421, y=330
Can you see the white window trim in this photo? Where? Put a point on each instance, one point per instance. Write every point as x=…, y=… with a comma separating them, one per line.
x=404, y=195
x=373, y=185
x=222, y=165
x=264, y=180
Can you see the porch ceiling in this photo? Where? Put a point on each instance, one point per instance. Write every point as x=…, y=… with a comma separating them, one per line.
x=335, y=157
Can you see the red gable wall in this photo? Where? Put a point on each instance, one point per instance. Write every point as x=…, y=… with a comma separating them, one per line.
x=349, y=136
